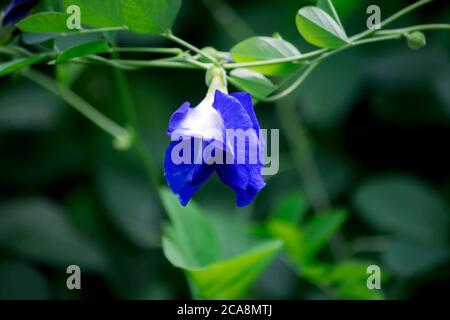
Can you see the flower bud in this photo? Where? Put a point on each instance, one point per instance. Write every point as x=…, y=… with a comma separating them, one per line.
x=416, y=40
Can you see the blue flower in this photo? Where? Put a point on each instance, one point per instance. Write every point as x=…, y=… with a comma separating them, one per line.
x=17, y=10
x=208, y=127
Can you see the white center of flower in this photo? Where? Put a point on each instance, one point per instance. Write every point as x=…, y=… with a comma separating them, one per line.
x=203, y=121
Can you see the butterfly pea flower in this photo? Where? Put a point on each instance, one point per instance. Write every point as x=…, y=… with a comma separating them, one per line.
x=17, y=10
x=220, y=135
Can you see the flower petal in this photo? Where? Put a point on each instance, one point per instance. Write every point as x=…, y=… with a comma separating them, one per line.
x=245, y=178
x=186, y=178
x=177, y=117
x=17, y=10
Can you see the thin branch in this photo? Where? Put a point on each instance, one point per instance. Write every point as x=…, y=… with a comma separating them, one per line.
x=77, y=103
x=187, y=45
x=392, y=18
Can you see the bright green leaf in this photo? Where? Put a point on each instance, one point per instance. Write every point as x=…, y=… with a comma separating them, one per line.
x=320, y=229
x=187, y=235
x=191, y=243
x=319, y=29
x=266, y=48
x=405, y=207
x=150, y=17
x=347, y=278
x=293, y=239
x=37, y=228
x=231, y=278
x=18, y=64
x=98, y=14
x=252, y=82
x=84, y=49
x=44, y=22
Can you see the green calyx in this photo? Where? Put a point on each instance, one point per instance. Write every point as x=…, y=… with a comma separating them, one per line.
x=216, y=79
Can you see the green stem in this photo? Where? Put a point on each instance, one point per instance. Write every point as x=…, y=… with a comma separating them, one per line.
x=294, y=85
x=134, y=64
x=383, y=35
x=187, y=45
x=424, y=27
x=77, y=103
x=335, y=14
x=98, y=30
x=175, y=51
x=298, y=58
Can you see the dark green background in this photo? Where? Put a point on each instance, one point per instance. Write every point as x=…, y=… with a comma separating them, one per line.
x=376, y=117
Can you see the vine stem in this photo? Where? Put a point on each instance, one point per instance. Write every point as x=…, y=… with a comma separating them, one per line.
x=423, y=27
x=392, y=18
x=175, y=51
x=294, y=85
x=134, y=64
x=98, y=30
x=354, y=39
x=103, y=122
x=169, y=35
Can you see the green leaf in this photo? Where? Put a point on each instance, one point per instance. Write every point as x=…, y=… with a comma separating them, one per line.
x=328, y=7
x=266, y=48
x=293, y=239
x=347, y=278
x=18, y=64
x=252, y=82
x=130, y=204
x=190, y=240
x=319, y=29
x=37, y=228
x=84, y=49
x=304, y=242
x=231, y=278
x=405, y=207
x=44, y=22
x=97, y=14
x=292, y=208
x=191, y=243
x=320, y=229
x=150, y=17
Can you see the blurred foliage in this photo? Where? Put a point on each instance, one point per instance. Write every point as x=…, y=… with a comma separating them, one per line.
x=377, y=118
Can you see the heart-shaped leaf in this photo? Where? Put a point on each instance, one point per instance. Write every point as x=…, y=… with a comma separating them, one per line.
x=252, y=82
x=266, y=48
x=319, y=29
